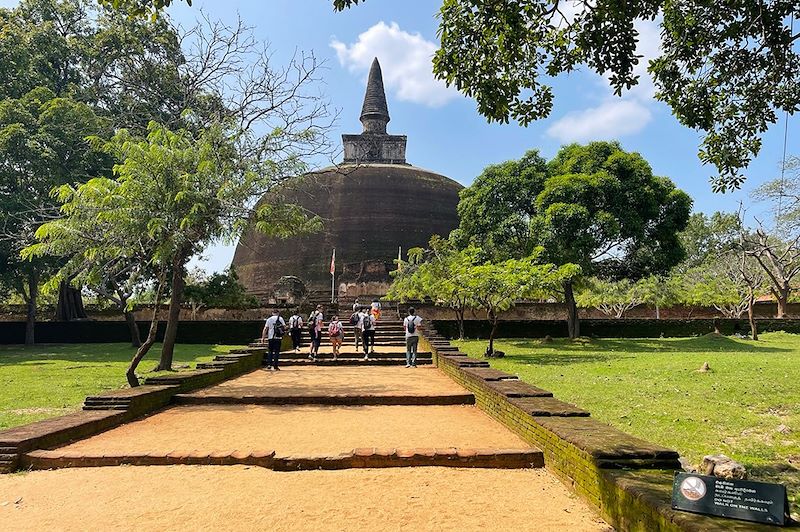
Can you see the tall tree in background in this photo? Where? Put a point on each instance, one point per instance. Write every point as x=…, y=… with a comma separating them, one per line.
x=595, y=206
x=42, y=145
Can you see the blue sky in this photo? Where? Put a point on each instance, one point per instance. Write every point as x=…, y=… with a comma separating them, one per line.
x=445, y=132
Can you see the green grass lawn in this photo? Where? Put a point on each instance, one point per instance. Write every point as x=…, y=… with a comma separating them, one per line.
x=51, y=380
x=650, y=388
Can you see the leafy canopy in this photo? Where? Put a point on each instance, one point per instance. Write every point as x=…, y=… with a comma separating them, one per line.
x=595, y=206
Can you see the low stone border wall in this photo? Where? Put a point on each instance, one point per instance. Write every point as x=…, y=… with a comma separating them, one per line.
x=357, y=458
x=628, y=479
x=115, y=407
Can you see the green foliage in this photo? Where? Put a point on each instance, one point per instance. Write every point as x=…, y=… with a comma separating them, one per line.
x=220, y=290
x=726, y=68
x=612, y=298
x=595, y=206
x=708, y=237
x=140, y=8
x=42, y=145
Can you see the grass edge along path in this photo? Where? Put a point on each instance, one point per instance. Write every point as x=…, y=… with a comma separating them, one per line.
x=747, y=406
x=46, y=381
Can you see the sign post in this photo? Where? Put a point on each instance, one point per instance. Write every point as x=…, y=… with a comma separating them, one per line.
x=737, y=499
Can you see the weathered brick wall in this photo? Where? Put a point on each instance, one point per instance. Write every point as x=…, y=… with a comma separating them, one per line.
x=627, y=479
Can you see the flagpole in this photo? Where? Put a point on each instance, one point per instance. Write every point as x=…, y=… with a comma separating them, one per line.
x=333, y=276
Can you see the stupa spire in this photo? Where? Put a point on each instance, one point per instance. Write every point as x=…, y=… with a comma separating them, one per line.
x=374, y=111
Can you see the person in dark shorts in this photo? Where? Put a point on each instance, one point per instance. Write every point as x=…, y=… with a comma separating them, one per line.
x=273, y=331
x=368, y=334
x=296, y=331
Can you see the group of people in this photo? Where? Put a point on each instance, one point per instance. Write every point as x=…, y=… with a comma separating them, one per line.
x=364, y=320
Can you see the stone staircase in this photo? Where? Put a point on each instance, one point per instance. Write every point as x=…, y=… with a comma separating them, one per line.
x=390, y=348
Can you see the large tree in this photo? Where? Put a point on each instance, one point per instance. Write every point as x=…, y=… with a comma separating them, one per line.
x=42, y=145
x=595, y=206
x=172, y=194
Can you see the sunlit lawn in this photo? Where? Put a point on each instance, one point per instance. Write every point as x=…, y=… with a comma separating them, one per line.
x=50, y=380
x=651, y=388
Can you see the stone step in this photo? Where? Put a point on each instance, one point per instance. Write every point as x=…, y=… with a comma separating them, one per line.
x=357, y=458
x=203, y=398
x=291, y=355
x=105, y=407
x=354, y=362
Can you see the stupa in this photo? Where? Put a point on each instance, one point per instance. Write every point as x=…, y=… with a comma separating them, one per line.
x=372, y=204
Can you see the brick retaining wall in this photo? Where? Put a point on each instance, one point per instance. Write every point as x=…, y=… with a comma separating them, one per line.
x=629, y=480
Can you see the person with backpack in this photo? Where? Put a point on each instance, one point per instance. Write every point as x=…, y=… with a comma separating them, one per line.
x=274, y=329
x=336, y=334
x=296, y=331
x=411, y=325
x=368, y=333
x=315, y=329
x=355, y=321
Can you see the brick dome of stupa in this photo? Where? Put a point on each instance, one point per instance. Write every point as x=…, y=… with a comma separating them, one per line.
x=372, y=204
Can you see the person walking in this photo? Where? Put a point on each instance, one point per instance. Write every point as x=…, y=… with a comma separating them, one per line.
x=356, y=306
x=296, y=331
x=336, y=334
x=368, y=333
x=315, y=329
x=355, y=321
x=273, y=332
x=411, y=325
x=375, y=308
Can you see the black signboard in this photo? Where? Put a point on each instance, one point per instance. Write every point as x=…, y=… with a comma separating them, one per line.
x=737, y=499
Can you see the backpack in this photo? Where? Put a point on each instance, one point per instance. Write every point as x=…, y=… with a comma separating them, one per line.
x=278, y=329
x=411, y=326
x=293, y=322
x=367, y=322
x=354, y=318
x=334, y=330
x=312, y=321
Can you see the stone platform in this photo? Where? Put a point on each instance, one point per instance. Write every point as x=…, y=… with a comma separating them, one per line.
x=311, y=385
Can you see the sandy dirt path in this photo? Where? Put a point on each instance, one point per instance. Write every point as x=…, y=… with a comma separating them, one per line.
x=242, y=498
x=303, y=430
x=316, y=380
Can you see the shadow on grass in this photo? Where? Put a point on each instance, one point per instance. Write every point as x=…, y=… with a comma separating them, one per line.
x=42, y=355
x=781, y=473
x=702, y=344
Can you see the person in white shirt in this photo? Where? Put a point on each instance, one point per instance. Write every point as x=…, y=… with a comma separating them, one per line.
x=273, y=333
x=296, y=331
x=367, y=325
x=411, y=325
x=315, y=328
x=376, y=309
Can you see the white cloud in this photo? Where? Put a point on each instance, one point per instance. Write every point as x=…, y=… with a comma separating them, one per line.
x=405, y=62
x=607, y=121
x=616, y=116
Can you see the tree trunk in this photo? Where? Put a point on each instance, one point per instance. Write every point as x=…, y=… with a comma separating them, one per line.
x=658, y=312
x=30, y=319
x=130, y=374
x=176, y=295
x=70, y=303
x=460, y=320
x=136, y=338
x=573, y=323
x=751, y=300
x=717, y=329
x=782, y=295
x=493, y=318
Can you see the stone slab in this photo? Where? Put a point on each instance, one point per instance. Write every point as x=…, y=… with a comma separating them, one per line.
x=607, y=444
x=547, y=406
x=490, y=374
x=517, y=388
